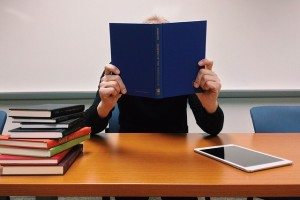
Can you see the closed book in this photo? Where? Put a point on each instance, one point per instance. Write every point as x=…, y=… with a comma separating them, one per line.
x=28, y=160
x=46, y=120
x=10, y=150
x=43, y=133
x=59, y=169
x=158, y=60
x=45, y=110
x=65, y=124
x=43, y=143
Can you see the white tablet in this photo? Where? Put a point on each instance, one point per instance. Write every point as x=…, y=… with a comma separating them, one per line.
x=243, y=158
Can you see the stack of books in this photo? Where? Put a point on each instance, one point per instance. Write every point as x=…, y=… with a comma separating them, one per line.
x=46, y=120
x=48, y=140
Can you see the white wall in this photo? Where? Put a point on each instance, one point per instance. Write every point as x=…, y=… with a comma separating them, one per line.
x=62, y=45
x=236, y=111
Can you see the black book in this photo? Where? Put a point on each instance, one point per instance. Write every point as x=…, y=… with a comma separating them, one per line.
x=47, y=120
x=65, y=124
x=45, y=110
x=50, y=133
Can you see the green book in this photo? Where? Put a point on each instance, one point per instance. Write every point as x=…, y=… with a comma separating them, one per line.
x=10, y=150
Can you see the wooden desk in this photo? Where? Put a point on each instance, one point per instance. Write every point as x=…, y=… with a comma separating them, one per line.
x=165, y=164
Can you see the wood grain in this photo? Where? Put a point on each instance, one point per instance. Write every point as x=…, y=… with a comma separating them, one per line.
x=140, y=164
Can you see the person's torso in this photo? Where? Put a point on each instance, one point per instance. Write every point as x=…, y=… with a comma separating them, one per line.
x=139, y=114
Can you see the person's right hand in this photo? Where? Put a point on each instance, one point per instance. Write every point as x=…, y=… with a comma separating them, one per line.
x=111, y=88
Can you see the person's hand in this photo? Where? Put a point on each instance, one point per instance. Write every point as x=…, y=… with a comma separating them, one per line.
x=210, y=84
x=111, y=88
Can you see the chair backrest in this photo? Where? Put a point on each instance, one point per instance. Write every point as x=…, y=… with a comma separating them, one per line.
x=3, y=117
x=276, y=119
x=113, y=123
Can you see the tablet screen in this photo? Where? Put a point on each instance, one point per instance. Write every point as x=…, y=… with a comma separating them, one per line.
x=240, y=155
x=247, y=159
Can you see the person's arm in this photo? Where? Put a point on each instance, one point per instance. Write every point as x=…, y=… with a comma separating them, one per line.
x=110, y=89
x=211, y=123
x=205, y=106
x=93, y=119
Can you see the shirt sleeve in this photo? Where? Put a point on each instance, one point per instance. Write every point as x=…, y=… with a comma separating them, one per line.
x=211, y=123
x=92, y=118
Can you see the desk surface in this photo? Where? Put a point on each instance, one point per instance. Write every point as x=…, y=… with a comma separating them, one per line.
x=165, y=165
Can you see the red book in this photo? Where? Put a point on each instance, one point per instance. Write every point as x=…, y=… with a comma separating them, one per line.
x=43, y=143
x=59, y=169
x=28, y=160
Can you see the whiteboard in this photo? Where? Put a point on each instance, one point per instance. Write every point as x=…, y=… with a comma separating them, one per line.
x=62, y=45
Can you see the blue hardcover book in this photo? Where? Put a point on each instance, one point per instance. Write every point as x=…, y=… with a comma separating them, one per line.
x=158, y=60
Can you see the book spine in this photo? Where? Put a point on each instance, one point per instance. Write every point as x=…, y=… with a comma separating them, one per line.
x=158, y=70
x=71, y=157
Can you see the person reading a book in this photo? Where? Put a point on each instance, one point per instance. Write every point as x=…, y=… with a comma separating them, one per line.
x=166, y=115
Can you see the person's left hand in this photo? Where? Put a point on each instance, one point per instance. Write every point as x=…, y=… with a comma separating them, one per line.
x=210, y=84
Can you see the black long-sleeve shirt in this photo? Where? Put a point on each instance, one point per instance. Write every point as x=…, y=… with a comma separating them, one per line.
x=169, y=115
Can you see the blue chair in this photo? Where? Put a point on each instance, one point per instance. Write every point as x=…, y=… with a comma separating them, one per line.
x=3, y=117
x=276, y=119
x=113, y=123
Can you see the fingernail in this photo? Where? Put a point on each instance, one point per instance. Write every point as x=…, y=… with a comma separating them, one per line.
x=201, y=63
x=196, y=85
x=124, y=91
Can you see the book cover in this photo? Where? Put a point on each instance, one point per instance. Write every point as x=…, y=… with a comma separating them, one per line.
x=19, y=151
x=65, y=124
x=158, y=60
x=46, y=120
x=45, y=110
x=59, y=169
x=43, y=143
x=28, y=160
x=49, y=133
